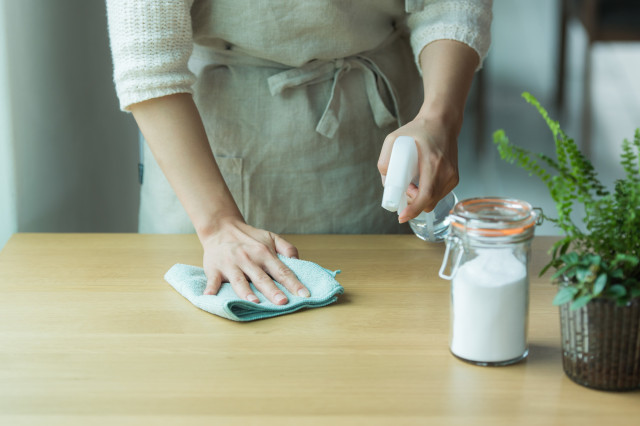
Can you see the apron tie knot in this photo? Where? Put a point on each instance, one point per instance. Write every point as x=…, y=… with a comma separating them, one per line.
x=318, y=71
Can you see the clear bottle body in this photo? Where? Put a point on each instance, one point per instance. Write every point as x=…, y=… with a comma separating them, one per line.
x=434, y=226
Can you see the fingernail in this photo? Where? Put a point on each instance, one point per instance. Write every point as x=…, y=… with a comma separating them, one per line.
x=253, y=298
x=402, y=219
x=279, y=297
x=303, y=292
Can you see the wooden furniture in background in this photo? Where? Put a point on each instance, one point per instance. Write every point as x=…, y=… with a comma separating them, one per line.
x=603, y=21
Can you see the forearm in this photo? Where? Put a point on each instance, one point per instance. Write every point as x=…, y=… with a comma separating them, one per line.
x=175, y=134
x=447, y=68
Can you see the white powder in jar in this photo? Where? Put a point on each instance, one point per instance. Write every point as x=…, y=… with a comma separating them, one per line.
x=490, y=301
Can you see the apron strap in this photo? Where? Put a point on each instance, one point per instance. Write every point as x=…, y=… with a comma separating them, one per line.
x=314, y=72
x=319, y=71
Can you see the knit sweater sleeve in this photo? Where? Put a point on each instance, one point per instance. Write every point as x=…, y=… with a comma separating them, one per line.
x=151, y=41
x=466, y=21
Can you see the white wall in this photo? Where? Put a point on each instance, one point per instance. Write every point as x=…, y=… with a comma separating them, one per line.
x=8, y=224
x=75, y=153
x=524, y=46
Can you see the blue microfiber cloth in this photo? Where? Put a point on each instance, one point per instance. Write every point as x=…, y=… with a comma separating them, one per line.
x=190, y=281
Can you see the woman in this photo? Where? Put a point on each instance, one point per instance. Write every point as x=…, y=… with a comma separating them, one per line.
x=265, y=117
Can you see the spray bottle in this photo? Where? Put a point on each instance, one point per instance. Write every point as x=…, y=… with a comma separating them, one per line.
x=402, y=171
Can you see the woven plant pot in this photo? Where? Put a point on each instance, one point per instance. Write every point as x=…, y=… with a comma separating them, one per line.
x=601, y=344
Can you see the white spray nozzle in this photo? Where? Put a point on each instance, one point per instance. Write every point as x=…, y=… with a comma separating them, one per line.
x=403, y=169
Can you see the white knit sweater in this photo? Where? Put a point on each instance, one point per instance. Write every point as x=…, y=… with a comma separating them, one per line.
x=152, y=40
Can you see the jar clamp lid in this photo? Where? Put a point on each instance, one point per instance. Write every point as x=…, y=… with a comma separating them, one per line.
x=494, y=219
x=488, y=220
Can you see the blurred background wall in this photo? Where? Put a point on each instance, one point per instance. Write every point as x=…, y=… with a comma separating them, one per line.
x=68, y=156
x=8, y=223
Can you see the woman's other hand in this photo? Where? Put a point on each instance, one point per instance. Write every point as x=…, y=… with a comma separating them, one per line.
x=436, y=141
x=241, y=254
x=447, y=72
x=233, y=251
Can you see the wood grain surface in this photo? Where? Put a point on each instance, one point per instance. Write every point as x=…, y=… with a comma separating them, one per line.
x=90, y=333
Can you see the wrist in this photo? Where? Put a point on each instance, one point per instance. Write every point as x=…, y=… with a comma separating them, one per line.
x=205, y=229
x=442, y=113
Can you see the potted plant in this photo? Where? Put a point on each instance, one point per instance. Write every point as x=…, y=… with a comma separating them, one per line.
x=596, y=262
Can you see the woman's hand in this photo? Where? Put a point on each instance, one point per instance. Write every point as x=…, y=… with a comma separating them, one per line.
x=447, y=72
x=233, y=251
x=238, y=253
x=436, y=140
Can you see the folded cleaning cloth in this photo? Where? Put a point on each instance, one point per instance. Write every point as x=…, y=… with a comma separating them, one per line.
x=190, y=281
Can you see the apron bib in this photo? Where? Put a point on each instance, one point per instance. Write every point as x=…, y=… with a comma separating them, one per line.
x=297, y=147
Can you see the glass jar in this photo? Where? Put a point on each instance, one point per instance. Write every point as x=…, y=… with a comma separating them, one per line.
x=489, y=245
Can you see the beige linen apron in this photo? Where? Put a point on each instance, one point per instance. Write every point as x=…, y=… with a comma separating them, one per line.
x=297, y=143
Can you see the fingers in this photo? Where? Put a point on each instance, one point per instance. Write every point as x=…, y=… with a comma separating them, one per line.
x=419, y=200
x=417, y=206
x=425, y=198
x=436, y=181
x=281, y=273
x=214, y=282
x=237, y=281
x=266, y=286
x=241, y=287
x=285, y=276
x=284, y=247
x=412, y=193
x=262, y=279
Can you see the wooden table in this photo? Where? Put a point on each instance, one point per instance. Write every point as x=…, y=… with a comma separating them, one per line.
x=91, y=333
